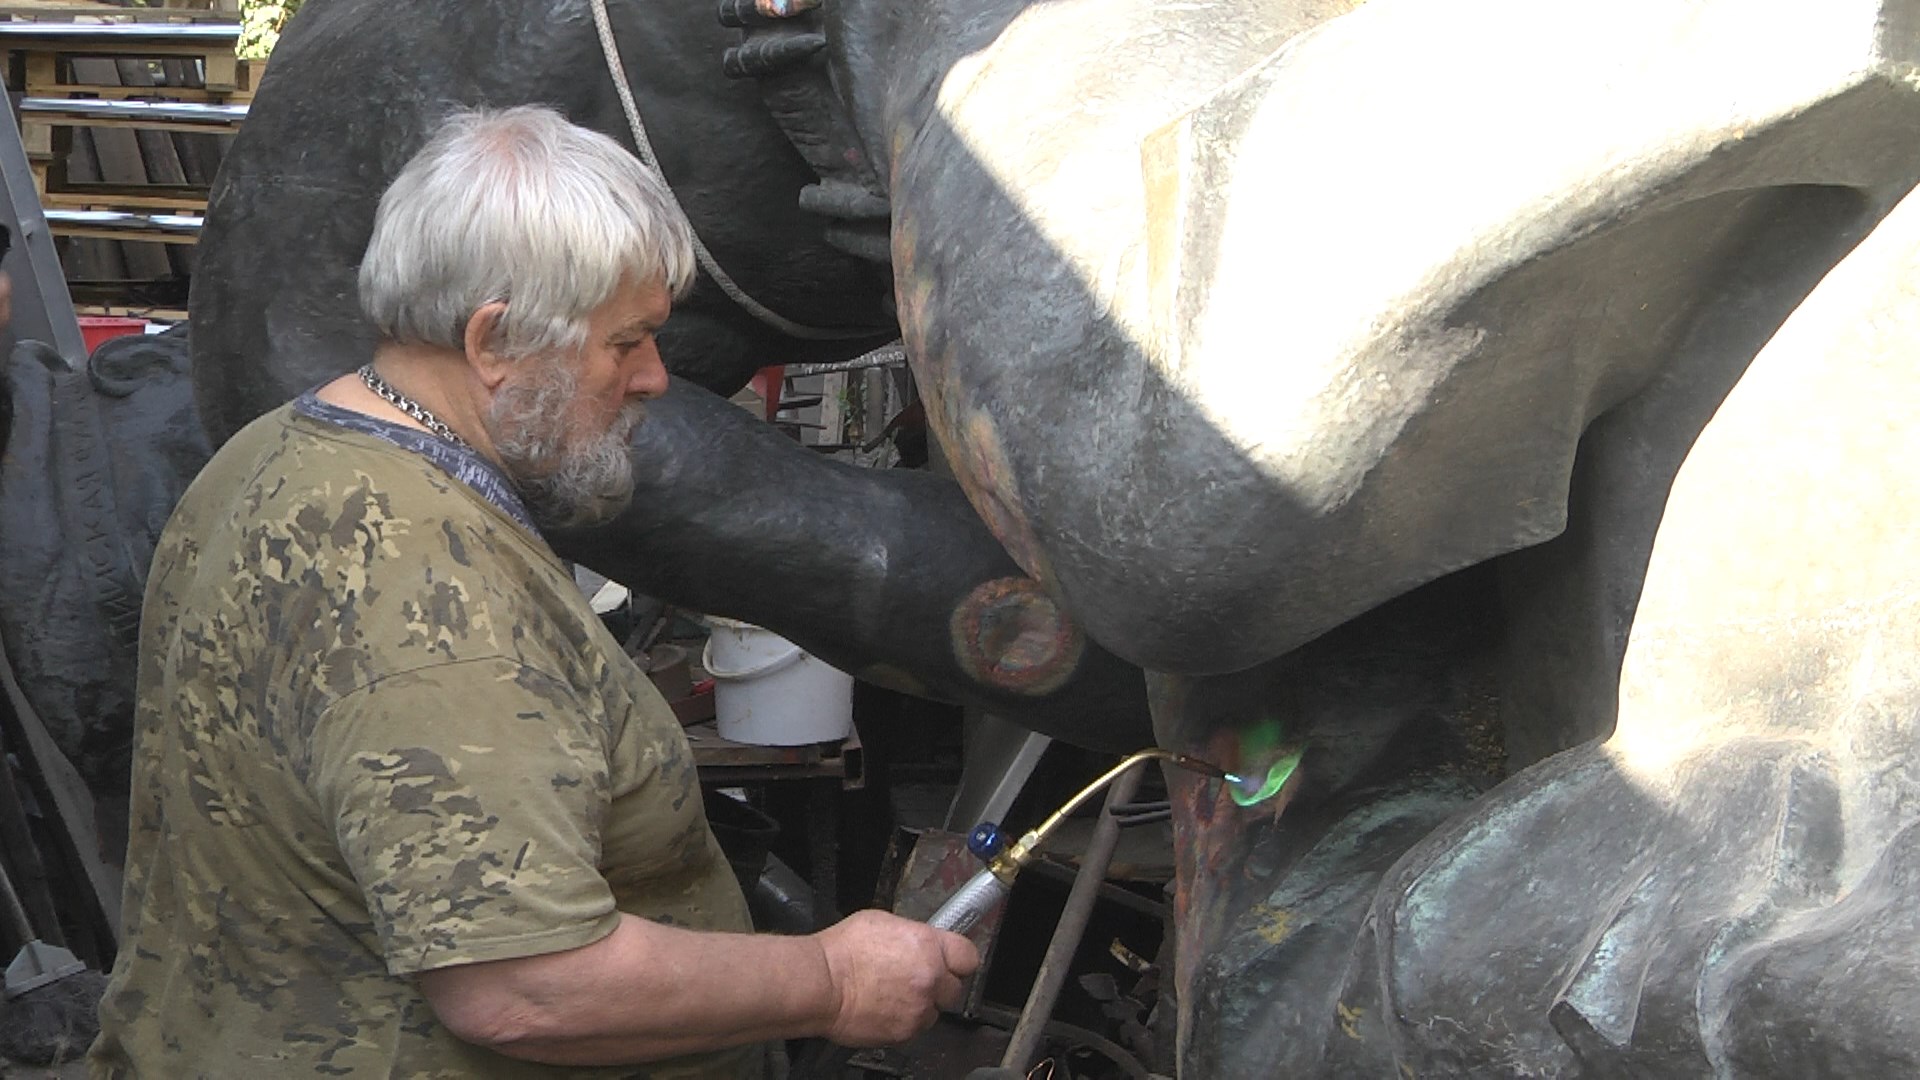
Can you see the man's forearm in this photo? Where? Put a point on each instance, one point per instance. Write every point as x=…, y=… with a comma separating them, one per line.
x=647, y=991
x=642, y=993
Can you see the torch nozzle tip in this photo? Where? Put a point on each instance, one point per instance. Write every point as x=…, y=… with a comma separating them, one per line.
x=1205, y=768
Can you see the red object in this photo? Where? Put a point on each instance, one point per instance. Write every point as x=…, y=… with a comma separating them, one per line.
x=767, y=382
x=98, y=329
x=697, y=707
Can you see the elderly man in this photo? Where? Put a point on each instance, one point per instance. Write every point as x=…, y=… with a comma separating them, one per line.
x=401, y=806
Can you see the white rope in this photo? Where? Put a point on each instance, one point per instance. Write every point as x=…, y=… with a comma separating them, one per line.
x=734, y=292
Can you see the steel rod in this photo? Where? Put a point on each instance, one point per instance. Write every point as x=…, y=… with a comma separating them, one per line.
x=1073, y=924
x=884, y=356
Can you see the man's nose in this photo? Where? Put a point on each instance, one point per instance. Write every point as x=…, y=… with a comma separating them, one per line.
x=649, y=376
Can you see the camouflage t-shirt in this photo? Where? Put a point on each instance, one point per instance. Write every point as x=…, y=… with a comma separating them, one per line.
x=379, y=732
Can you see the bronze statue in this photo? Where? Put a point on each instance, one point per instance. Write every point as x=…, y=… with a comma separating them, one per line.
x=1314, y=375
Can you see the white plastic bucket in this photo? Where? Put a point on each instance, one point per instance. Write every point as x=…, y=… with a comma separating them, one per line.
x=767, y=691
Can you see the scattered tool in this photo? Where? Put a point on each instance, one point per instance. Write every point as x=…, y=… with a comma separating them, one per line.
x=51, y=1011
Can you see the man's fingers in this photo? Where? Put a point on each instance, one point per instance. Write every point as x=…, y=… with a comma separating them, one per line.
x=892, y=987
x=950, y=991
x=961, y=957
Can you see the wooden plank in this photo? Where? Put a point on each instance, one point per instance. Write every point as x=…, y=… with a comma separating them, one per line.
x=43, y=82
x=833, y=410
x=168, y=92
x=233, y=80
x=42, y=67
x=220, y=71
x=89, y=10
x=110, y=52
x=218, y=59
x=38, y=9
x=723, y=761
x=139, y=236
x=182, y=198
x=38, y=139
x=31, y=126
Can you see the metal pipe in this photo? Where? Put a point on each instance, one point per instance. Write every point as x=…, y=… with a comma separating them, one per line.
x=1073, y=923
x=1185, y=761
x=894, y=355
x=989, y=887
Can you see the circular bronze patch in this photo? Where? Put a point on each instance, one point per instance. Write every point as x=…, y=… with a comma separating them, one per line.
x=1009, y=634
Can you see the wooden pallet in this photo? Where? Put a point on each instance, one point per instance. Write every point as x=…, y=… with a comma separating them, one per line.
x=167, y=198
x=43, y=82
x=112, y=98
x=44, y=45
x=47, y=126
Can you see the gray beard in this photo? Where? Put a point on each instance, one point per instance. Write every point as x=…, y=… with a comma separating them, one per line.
x=566, y=478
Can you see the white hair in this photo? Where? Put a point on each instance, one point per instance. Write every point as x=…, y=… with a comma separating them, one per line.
x=517, y=205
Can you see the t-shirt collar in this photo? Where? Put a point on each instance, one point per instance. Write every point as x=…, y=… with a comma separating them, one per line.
x=460, y=462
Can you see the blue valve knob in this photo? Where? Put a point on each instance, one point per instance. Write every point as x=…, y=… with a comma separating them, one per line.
x=986, y=841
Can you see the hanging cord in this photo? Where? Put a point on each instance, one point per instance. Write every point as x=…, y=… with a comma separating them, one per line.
x=734, y=292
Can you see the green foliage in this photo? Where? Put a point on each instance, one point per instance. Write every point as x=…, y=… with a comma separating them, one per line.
x=260, y=25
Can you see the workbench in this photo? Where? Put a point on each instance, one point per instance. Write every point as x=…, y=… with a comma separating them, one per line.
x=825, y=769
x=724, y=763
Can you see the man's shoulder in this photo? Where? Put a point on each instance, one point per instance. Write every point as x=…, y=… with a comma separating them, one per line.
x=308, y=515
x=293, y=474
x=305, y=544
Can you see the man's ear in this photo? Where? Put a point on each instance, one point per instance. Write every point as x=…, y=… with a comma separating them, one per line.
x=480, y=340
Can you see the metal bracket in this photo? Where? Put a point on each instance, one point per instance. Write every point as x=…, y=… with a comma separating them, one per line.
x=1000, y=758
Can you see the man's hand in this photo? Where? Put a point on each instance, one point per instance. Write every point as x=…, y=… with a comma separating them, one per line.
x=892, y=976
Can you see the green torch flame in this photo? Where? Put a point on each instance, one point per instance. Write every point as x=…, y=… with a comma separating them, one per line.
x=1252, y=790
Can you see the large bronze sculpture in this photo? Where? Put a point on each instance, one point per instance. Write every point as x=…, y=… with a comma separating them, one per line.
x=1314, y=376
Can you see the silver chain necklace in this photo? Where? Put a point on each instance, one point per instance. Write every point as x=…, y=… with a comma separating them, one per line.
x=409, y=406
